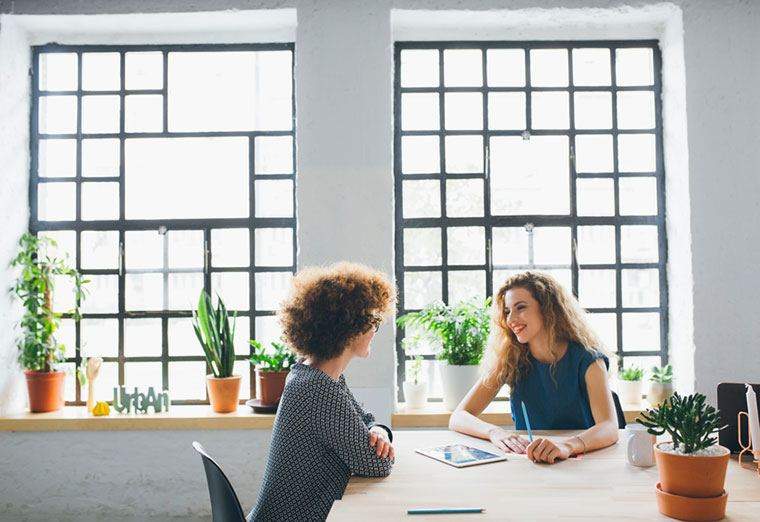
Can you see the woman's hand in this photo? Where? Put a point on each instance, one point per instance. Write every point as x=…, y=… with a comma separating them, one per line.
x=506, y=441
x=378, y=439
x=545, y=450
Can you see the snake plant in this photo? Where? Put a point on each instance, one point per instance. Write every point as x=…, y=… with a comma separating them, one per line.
x=212, y=328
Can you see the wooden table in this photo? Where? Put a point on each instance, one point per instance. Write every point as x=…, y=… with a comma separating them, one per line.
x=600, y=485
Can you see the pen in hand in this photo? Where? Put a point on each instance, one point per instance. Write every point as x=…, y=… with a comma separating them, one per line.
x=527, y=421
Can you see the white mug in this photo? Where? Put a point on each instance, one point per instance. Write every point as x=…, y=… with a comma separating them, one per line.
x=639, y=445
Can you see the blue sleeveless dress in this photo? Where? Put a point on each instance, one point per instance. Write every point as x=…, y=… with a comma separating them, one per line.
x=559, y=401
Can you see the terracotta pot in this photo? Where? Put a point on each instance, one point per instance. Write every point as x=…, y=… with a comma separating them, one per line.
x=270, y=386
x=45, y=390
x=692, y=475
x=223, y=393
x=692, y=509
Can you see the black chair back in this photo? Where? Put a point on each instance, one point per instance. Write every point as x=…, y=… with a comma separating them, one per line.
x=619, y=411
x=225, y=506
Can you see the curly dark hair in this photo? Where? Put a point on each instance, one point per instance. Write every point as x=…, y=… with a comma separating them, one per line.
x=329, y=306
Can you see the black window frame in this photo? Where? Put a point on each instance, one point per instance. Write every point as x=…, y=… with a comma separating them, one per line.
x=572, y=219
x=122, y=225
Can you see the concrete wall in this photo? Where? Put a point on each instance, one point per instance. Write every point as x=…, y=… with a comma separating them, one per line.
x=344, y=108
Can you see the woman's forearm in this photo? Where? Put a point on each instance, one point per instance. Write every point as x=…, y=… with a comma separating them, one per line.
x=599, y=436
x=467, y=423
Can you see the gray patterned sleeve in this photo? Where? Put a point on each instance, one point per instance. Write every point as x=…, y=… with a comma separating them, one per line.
x=342, y=428
x=367, y=417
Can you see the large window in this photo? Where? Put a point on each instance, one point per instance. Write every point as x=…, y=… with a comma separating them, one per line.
x=533, y=155
x=162, y=170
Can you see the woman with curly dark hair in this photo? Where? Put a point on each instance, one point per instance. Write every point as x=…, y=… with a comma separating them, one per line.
x=321, y=435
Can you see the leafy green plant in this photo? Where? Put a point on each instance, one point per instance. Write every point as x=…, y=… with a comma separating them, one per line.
x=662, y=375
x=415, y=370
x=38, y=348
x=688, y=420
x=212, y=328
x=634, y=373
x=279, y=359
x=462, y=329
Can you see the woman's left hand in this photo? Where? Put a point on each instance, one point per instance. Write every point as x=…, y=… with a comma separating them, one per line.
x=378, y=439
x=545, y=450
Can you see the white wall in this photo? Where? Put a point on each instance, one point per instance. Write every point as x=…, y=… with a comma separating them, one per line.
x=344, y=133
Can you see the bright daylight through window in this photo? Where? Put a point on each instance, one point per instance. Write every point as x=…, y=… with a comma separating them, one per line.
x=533, y=155
x=162, y=170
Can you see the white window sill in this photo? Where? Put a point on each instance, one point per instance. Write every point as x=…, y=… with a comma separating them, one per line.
x=76, y=418
x=434, y=415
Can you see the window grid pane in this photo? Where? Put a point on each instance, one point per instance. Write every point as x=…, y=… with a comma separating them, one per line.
x=595, y=192
x=147, y=273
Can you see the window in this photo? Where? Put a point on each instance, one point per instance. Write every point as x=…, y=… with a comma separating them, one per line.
x=534, y=155
x=162, y=170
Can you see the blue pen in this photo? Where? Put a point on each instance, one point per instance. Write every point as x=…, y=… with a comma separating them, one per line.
x=442, y=511
x=527, y=421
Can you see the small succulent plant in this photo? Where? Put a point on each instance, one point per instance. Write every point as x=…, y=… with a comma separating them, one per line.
x=690, y=422
x=662, y=375
x=634, y=373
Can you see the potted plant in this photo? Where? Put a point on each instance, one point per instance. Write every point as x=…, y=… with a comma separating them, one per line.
x=462, y=330
x=692, y=466
x=214, y=333
x=272, y=368
x=630, y=385
x=40, y=354
x=415, y=388
x=660, y=385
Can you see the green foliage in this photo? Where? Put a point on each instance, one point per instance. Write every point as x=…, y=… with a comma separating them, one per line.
x=688, y=420
x=415, y=370
x=212, y=328
x=634, y=373
x=662, y=375
x=462, y=329
x=279, y=359
x=38, y=348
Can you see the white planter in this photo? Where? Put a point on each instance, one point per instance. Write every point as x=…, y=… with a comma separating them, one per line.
x=659, y=392
x=630, y=392
x=457, y=381
x=415, y=395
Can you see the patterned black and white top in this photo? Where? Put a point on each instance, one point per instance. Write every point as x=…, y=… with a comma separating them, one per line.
x=320, y=438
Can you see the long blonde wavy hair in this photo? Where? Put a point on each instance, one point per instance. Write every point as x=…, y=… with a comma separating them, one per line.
x=564, y=320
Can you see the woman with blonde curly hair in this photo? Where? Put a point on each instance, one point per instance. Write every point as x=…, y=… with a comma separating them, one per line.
x=321, y=435
x=543, y=349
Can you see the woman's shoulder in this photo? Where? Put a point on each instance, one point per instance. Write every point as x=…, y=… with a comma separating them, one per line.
x=586, y=355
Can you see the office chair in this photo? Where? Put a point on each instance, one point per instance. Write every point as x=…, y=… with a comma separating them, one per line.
x=225, y=506
x=619, y=411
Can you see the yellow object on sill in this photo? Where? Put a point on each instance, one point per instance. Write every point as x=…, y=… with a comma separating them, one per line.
x=101, y=409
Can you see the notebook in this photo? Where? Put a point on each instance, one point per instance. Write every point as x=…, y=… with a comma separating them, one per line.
x=732, y=399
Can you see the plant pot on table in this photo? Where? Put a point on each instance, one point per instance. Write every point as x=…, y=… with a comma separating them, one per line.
x=692, y=486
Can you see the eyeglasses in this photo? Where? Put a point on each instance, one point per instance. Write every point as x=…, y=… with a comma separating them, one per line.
x=376, y=321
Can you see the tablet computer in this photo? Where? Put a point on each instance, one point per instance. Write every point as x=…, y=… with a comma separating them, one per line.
x=460, y=455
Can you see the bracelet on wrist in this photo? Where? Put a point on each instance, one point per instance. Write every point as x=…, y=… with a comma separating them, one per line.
x=583, y=442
